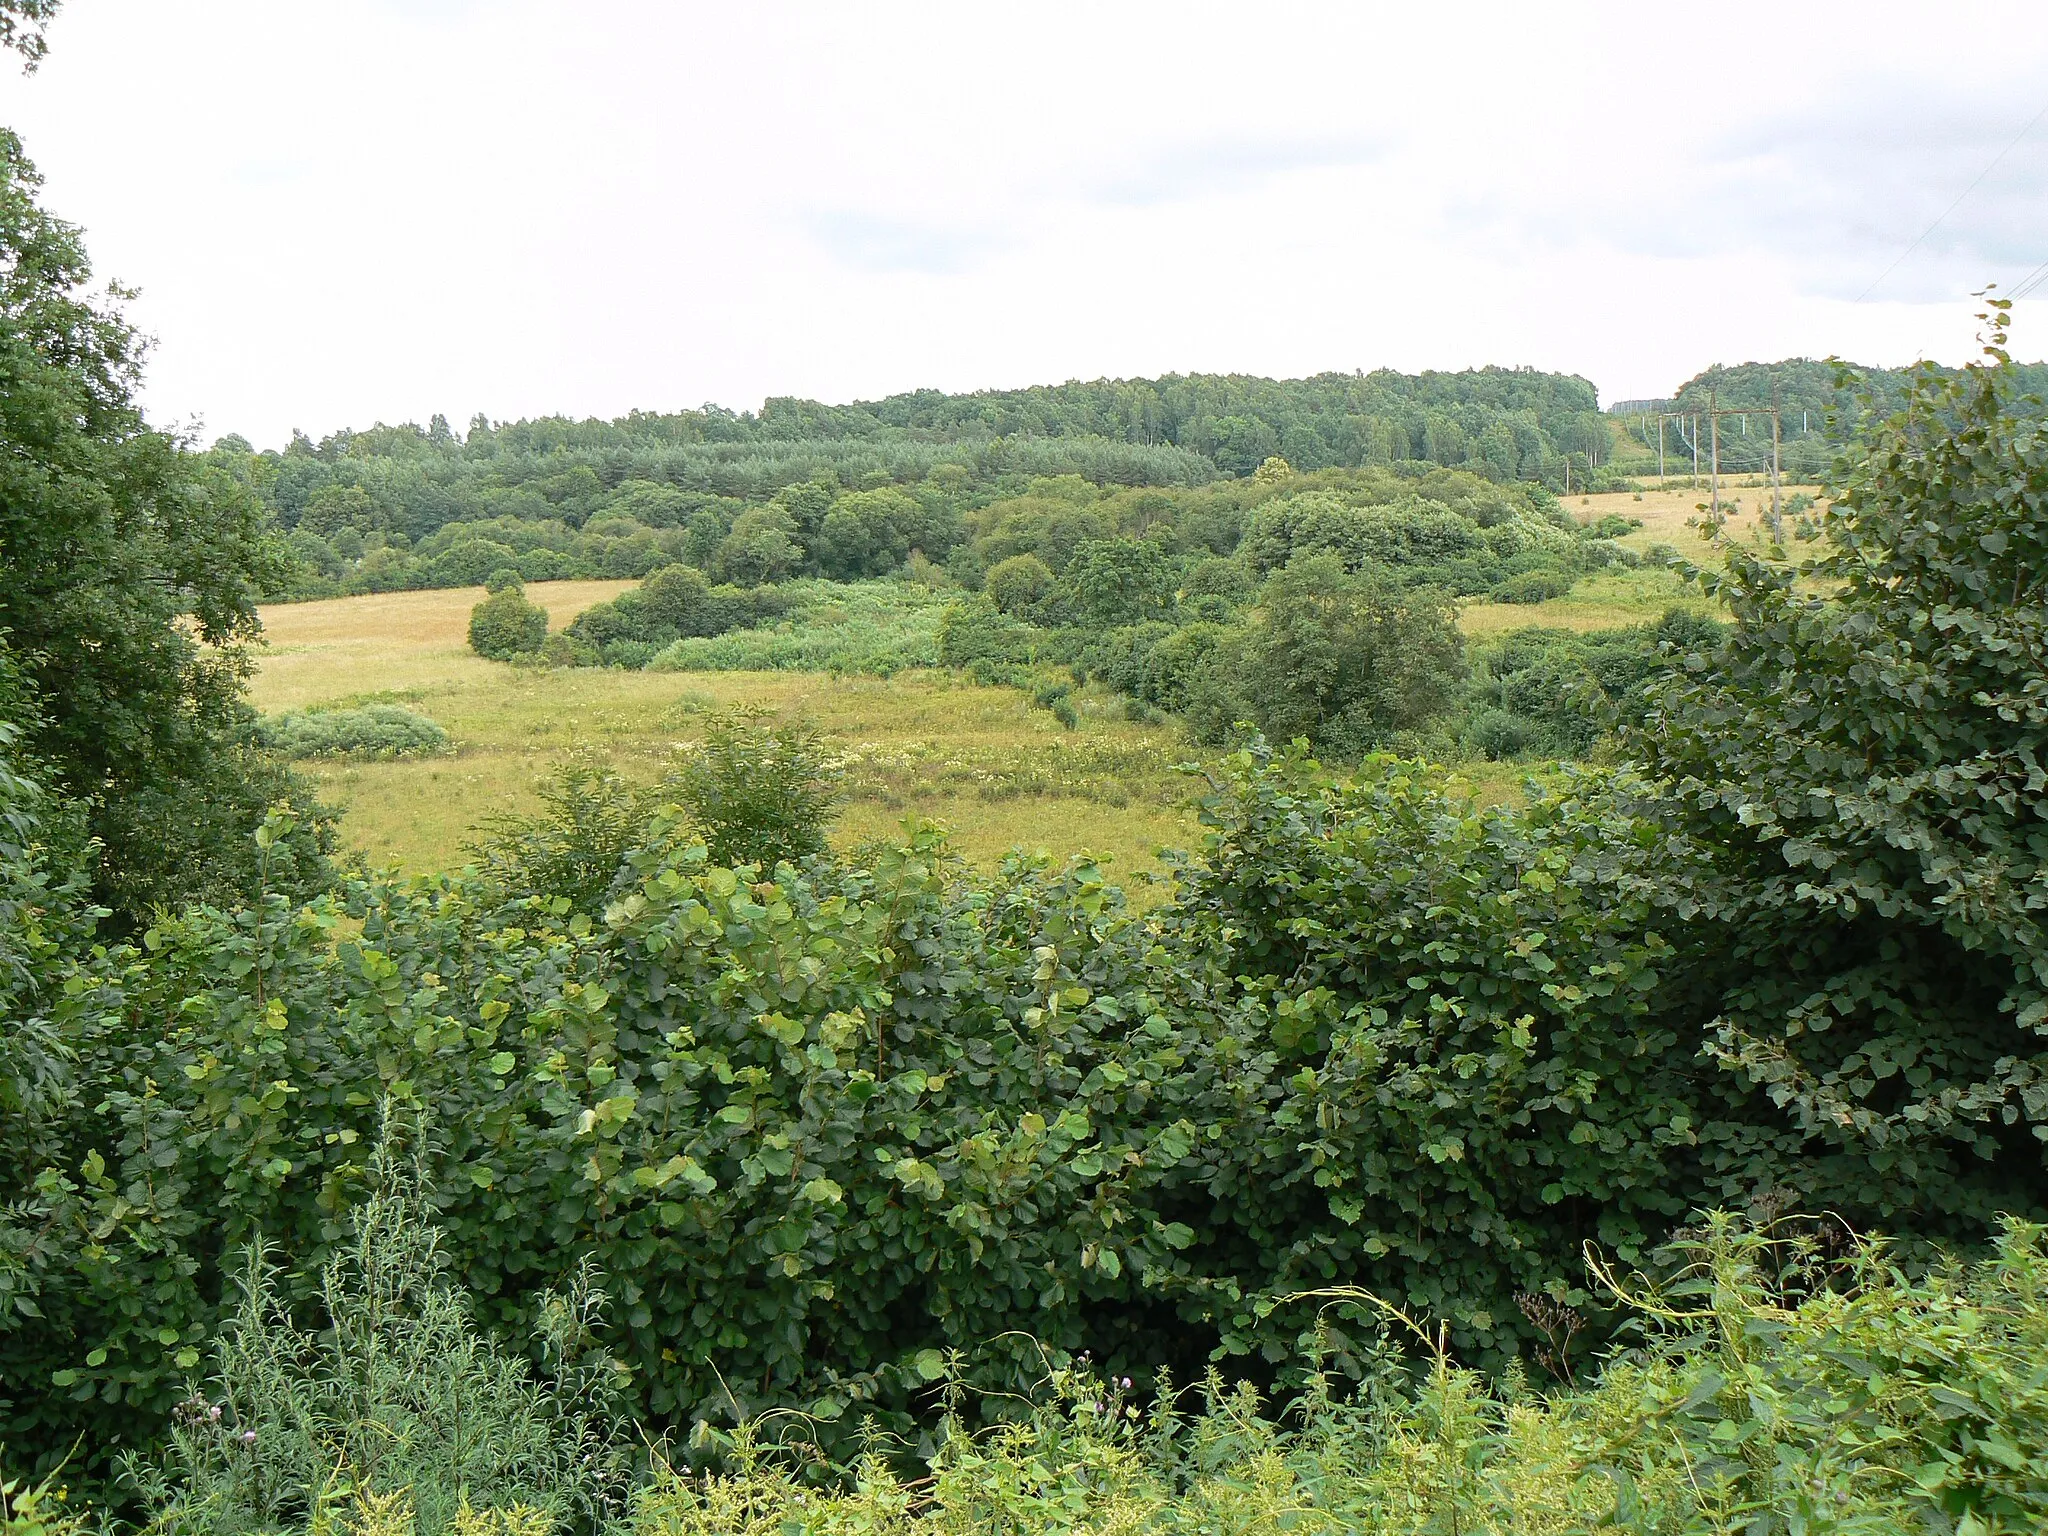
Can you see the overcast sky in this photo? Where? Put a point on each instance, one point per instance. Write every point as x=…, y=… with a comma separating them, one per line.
x=344, y=211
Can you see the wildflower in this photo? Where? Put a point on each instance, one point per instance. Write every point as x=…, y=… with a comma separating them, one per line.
x=248, y=1437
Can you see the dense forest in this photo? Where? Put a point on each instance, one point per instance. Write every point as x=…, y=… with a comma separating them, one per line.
x=403, y=507
x=406, y=506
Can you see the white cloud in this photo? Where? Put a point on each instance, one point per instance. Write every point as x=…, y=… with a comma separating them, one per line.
x=340, y=212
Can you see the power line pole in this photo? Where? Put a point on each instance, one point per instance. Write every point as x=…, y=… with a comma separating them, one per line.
x=1660, y=450
x=1777, y=479
x=1714, y=456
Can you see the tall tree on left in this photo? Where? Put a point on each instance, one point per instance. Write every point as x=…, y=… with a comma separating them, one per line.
x=129, y=568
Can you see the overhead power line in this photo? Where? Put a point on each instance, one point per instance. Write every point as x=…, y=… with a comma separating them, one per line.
x=2030, y=282
x=1996, y=161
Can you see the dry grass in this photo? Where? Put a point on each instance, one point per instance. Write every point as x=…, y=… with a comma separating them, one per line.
x=1671, y=511
x=1605, y=600
x=1000, y=772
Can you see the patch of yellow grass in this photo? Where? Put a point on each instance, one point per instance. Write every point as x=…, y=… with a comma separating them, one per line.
x=1000, y=772
x=1607, y=599
x=1670, y=510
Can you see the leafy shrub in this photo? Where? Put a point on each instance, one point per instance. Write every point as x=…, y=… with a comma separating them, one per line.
x=1342, y=661
x=40, y=1510
x=759, y=793
x=976, y=630
x=505, y=625
x=567, y=650
x=504, y=578
x=375, y=731
x=877, y=627
x=676, y=602
x=1218, y=577
x=1863, y=755
x=1872, y=1403
x=1534, y=587
x=1500, y=734
x=575, y=845
x=761, y=548
x=1016, y=585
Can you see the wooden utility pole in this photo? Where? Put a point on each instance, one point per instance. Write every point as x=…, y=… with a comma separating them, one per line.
x=1777, y=480
x=1714, y=457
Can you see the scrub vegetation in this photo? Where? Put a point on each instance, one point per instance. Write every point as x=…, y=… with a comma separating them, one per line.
x=691, y=1141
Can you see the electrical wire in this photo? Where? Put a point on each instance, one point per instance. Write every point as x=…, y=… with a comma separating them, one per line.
x=2030, y=282
x=1996, y=161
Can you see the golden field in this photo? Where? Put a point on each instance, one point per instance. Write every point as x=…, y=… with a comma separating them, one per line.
x=999, y=771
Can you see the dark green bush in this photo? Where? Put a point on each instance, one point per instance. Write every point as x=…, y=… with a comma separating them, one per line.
x=1499, y=734
x=674, y=603
x=977, y=631
x=1534, y=587
x=375, y=731
x=505, y=625
x=1017, y=585
x=574, y=845
x=759, y=792
x=504, y=578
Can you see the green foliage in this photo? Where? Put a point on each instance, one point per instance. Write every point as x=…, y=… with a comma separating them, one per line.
x=1342, y=661
x=392, y=1390
x=1069, y=562
x=1117, y=581
x=1534, y=587
x=873, y=627
x=1865, y=755
x=871, y=533
x=505, y=625
x=128, y=575
x=574, y=846
x=837, y=1134
x=759, y=792
x=674, y=603
x=1552, y=693
x=374, y=731
x=762, y=547
x=849, y=491
x=1872, y=1404
x=21, y=28
x=978, y=631
x=1784, y=1381
x=1017, y=584
x=39, y=1511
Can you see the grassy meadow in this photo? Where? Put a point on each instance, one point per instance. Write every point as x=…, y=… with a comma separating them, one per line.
x=999, y=771
x=1670, y=517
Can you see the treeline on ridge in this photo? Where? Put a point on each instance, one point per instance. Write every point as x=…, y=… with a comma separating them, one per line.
x=396, y=507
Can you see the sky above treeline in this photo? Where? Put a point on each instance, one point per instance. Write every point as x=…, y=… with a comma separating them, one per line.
x=344, y=211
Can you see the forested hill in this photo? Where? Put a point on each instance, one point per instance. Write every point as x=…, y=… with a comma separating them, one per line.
x=1511, y=420
x=1507, y=424
x=1818, y=403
